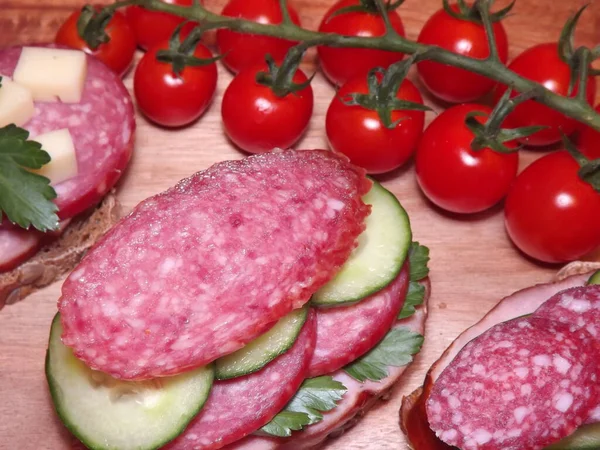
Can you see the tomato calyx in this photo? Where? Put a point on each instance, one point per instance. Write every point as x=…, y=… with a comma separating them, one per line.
x=383, y=89
x=280, y=78
x=368, y=6
x=180, y=54
x=92, y=23
x=589, y=170
x=578, y=59
x=472, y=13
x=490, y=134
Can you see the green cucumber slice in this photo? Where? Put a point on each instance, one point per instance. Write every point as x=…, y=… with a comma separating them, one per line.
x=595, y=278
x=105, y=413
x=264, y=349
x=585, y=438
x=379, y=257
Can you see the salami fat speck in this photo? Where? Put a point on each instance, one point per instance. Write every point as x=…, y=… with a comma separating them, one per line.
x=240, y=406
x=346, y=333
x=102, y=126
x=198, y=271
x=521, y=385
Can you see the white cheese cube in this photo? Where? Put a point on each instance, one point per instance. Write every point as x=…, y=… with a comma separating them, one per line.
x=59, y=145
x=16, y=103
x=52, y=73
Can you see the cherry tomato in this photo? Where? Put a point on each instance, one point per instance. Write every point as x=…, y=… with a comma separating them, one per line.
x=153, y=27
x=542, y=64
x=257, y=120
x=341, y=64
x=454, y=176
x=588, y=141
x=244, y=50
x=174, y=100
x=551, y=214
x=465, y=38
x=359, y=133
x=116, y=54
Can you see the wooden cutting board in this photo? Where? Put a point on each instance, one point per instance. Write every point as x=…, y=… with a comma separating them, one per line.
x=473, y=263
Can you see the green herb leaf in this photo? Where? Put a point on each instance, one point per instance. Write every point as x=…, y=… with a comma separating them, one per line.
x=315, y=396
x=25, y=197
x=414, y=297
x=396, y=349
x=418, y=257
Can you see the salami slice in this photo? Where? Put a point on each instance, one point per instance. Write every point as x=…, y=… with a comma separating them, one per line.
x=522, y=385
x=17, y=245
x=579, y=307
x=102, y=126
x=200, y=270
x=240, y=406
x=346, y=333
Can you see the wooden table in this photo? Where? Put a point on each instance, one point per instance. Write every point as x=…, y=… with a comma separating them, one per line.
x=473, y=263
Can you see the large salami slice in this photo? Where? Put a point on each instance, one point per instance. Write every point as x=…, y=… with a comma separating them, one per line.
x=346, y=333
x=102, y=126
x=240, y=406
x=198, y=271
x=579, y=307
x=522, y=385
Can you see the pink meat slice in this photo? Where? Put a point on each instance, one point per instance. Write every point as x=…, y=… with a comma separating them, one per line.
x=240, y=406
x=346, y=333
x=17, y=245
x=522, y=385
x=198, y=271
x=102, y=126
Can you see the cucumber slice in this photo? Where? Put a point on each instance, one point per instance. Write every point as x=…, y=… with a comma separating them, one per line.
x=585, y=438
x=595, y=278
x=105, y=413
x=379, y=257
x=264, y=349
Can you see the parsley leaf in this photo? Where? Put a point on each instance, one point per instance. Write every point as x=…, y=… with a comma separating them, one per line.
x=25, y=197
x=315, y=396
x=414, y=297
x=418, y=257
x=395, y=349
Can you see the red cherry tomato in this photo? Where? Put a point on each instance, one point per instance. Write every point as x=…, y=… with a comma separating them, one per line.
x=588, y=141
x=455, y=177
x=153, y=27
x=174, y=100
x=257, y=120
x=116, y=54
x=551, y=214
x=359, y=134
x=465, y=38
x=244, y=50
x=341, y=64
x=542, y=64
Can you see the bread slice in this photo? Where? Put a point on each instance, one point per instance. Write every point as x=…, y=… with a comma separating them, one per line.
x=56, y=259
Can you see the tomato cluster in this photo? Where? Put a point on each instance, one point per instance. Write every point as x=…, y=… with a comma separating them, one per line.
x=551, y=213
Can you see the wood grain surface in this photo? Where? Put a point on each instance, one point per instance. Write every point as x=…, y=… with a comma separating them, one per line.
x=473, y=263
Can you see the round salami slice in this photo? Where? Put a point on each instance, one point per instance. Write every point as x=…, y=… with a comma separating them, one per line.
x=521, y=385
x=102, y=126
x=17, y=245
x=200, y=270
x=578, y=307
x=346, y=333
x=240, y=406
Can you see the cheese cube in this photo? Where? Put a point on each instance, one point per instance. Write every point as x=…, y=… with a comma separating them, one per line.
x=63, y=164
x=16, y=103
x=51, y=73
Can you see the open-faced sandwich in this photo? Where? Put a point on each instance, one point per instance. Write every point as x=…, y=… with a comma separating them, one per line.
x=526, y=377
x=261, y=303
x=83, y=117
